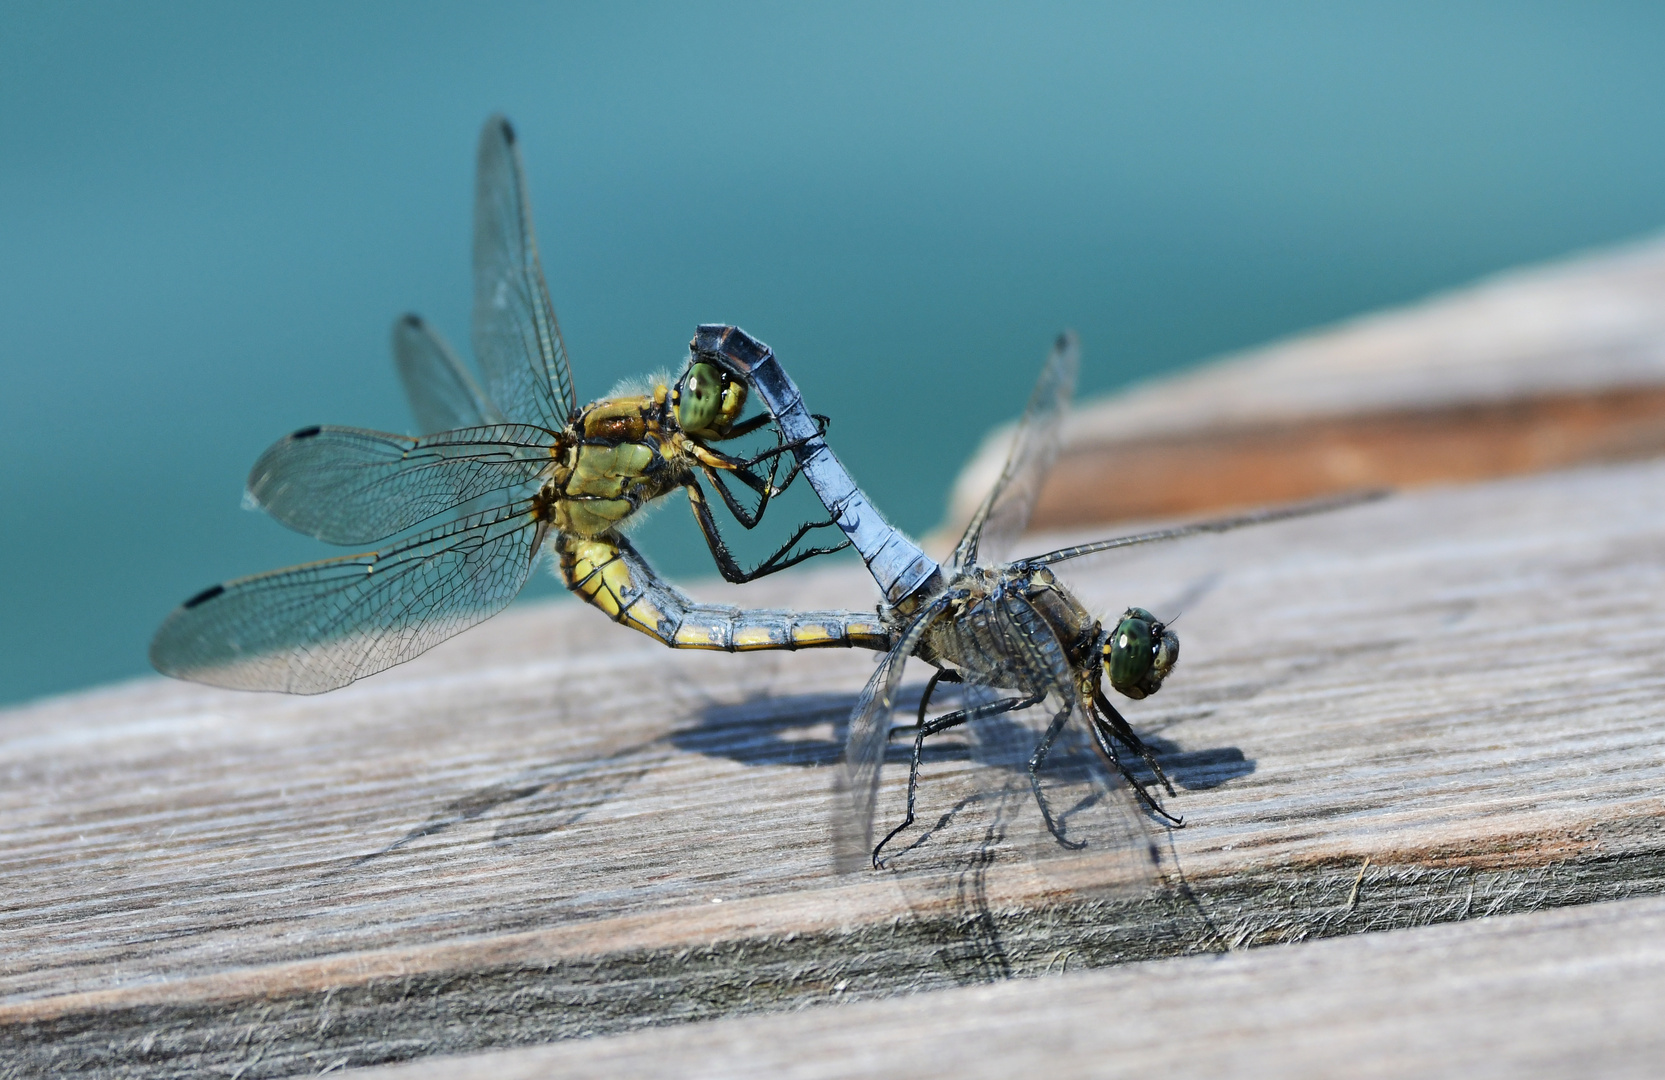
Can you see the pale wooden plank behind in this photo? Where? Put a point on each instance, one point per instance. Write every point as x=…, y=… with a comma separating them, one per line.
x=1576, y=992
x=522, y=835
x=1533, y=369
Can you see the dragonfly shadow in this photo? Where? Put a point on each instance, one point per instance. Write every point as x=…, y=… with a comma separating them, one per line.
x=804, y=730
x=808, y=731
x=1193, y=770
x=1198, y=770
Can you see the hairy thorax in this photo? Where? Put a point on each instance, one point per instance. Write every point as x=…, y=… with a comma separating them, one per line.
x=972, y=634
x=618, y=455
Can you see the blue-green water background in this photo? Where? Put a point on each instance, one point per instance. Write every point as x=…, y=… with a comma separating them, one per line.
x=209, y=215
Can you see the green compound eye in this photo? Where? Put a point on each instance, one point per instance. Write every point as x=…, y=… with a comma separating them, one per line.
x=1139, y=654
x=699, y=400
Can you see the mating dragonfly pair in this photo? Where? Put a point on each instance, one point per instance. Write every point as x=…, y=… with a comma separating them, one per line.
x=516, y=467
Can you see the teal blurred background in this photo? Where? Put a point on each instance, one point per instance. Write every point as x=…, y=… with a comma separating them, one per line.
x=210, y=214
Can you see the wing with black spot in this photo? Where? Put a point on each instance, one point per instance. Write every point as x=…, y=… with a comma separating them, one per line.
x=516, y=339
x=322, y=625
x=443, y=395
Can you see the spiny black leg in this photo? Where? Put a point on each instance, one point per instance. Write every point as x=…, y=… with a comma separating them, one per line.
x=764, y=489
x=1124, y=731
x=772, y=563
x=821, y=424
x=774, y=455
x=943, y=723
x=1052, y=731
x=746, y=427
x=732, y=462
x=713, y=537
x=725, y=560
x=777, y=561
x=940, y=675
x=1101, y=739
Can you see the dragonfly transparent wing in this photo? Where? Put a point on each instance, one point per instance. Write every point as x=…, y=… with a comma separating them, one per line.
x=516, y=338
x=1214, y=525
x=869, y=737
x=1076, y=806
x=355, y=486
x=322, y=625
x=981, y=844
x=443, y=395
x=1004, y=513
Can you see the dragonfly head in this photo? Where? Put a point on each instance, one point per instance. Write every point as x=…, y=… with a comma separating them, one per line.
x=708, y=400
x=1139, y=653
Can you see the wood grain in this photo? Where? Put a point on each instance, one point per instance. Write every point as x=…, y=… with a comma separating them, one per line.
x=1536, y=369
x=553, y=827
x=1574, y=992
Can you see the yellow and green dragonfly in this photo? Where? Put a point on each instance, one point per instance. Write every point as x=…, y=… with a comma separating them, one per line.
x=502, y=473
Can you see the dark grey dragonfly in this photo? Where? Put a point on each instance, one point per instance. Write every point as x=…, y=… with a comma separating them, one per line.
x=999, y=626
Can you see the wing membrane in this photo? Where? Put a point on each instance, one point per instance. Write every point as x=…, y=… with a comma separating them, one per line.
x=443, y=395
x=1094, y=822
x=516, y=339
x=355, y=486
x=323, y=625
x=1216, y=525
x=869, y=735
x=1004, y=513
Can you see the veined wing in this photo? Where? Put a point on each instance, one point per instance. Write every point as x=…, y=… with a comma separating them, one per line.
x=982, y=830
x=1087, y=807
x=869, y=734
x=516, y=338
x=1214, y=525
x=322, y=625
x=355, y=486
x=443, y=395
x=1004, y=513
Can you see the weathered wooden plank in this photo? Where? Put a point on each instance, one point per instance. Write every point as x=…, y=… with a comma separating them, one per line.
x=1535, y=369
x=526, y=834
x=1574, y=992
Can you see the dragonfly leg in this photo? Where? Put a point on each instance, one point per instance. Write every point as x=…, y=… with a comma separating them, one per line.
x=1112, y=726
x=796, y=469
x=948, y=675
x=1102, y=733
x=726, y=565
x=943, y=723
x=743, y=469
x=746, y=427
x=821, y=424
x=709, y=455
x=1052, y=732
x=763, y=486
x=1124, y=731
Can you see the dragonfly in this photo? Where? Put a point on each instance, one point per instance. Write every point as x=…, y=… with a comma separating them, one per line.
x=1009, y=627
x=502, y=473
x=608, y=570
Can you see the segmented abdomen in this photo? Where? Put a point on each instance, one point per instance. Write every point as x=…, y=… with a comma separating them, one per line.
x=608, y=573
